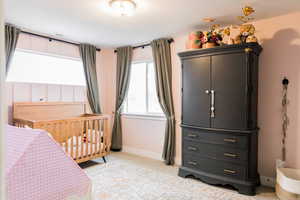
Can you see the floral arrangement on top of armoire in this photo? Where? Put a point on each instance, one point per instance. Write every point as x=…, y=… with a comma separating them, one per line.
x=217, y=36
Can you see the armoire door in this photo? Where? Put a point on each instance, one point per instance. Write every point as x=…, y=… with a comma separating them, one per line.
x=229, y=77
x=195, y=100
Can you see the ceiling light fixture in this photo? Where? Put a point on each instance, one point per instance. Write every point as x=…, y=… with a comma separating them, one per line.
x=208, y=19
x=123, y=7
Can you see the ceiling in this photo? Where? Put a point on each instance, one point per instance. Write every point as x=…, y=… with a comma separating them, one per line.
x=93, y=22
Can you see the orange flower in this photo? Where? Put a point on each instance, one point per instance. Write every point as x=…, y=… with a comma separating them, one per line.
x=247, y=10
x=226, y=31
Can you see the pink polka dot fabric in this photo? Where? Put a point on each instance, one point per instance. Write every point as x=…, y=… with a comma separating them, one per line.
x=37, y=168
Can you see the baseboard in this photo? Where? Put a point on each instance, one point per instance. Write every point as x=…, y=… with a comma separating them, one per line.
x=178, y=161
x=267, y=181
x=141, y=152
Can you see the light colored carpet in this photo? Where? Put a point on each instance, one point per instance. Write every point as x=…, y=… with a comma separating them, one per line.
x=128, y=177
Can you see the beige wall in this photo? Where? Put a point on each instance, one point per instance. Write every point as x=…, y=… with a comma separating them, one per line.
x=106, y=70
x=141, y=135
x=280, y=38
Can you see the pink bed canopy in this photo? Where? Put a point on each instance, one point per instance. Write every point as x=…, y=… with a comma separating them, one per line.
x=38, y=168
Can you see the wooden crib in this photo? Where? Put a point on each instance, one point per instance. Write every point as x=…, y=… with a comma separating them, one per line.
x=82, y=136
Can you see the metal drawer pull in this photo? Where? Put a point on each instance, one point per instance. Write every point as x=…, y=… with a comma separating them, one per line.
x=192, y=163
x=230, y=155
x=192, y=148
x=230, y=140
x=229, y=171
x=192, y=135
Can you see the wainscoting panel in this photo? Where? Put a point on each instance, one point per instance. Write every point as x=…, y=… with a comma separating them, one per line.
x=67, y=93
x=54, y=93
x=79, y=94
x=27, y=92
x=39, y=92
x=21, y=92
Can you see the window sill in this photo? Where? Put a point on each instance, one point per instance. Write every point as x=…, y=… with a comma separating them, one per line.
x=144, y=116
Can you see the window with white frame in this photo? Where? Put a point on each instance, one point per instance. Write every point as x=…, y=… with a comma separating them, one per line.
x=142, y=98
x=33, y=67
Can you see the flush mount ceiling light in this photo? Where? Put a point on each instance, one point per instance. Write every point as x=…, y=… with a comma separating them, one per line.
x=208, y=19
x=123, y=7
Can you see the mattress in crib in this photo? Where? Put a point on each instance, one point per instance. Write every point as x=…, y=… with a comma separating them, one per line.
x=38, y=168
x=78, y=147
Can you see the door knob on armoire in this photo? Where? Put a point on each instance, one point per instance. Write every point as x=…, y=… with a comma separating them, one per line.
x=207, y=91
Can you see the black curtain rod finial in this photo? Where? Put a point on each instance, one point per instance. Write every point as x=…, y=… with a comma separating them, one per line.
x=285, y=81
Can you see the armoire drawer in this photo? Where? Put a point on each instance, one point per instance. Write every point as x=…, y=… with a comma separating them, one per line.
x=215, y=167
x=227, y=139
x=213, y=151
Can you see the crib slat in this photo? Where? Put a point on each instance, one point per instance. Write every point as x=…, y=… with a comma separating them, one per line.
x=78, y=129
x=105, y=135
x=86, y=137
x=59, y=131
x=72, y=137
x=82, y=137
x=96, y=137
x=92, y=135
x=100, y=137
x=66, y=134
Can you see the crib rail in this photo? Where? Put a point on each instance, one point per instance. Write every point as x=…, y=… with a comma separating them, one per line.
x=82, y=138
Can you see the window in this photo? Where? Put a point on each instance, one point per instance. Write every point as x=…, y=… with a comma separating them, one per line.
x=29, y=67
x=142, y=97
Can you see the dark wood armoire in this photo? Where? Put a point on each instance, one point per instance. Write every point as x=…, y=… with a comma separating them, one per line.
x=219, y=115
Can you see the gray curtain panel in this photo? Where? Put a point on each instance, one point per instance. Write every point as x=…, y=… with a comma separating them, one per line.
x=124, y=58
x=88, y=56
x=163, y=77
x=11, y=39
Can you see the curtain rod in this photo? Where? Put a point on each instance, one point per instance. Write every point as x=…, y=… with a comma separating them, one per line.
x=53, y=39
x=145, y=45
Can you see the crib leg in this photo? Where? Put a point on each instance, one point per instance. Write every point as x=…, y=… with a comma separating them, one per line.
x=104, y=159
